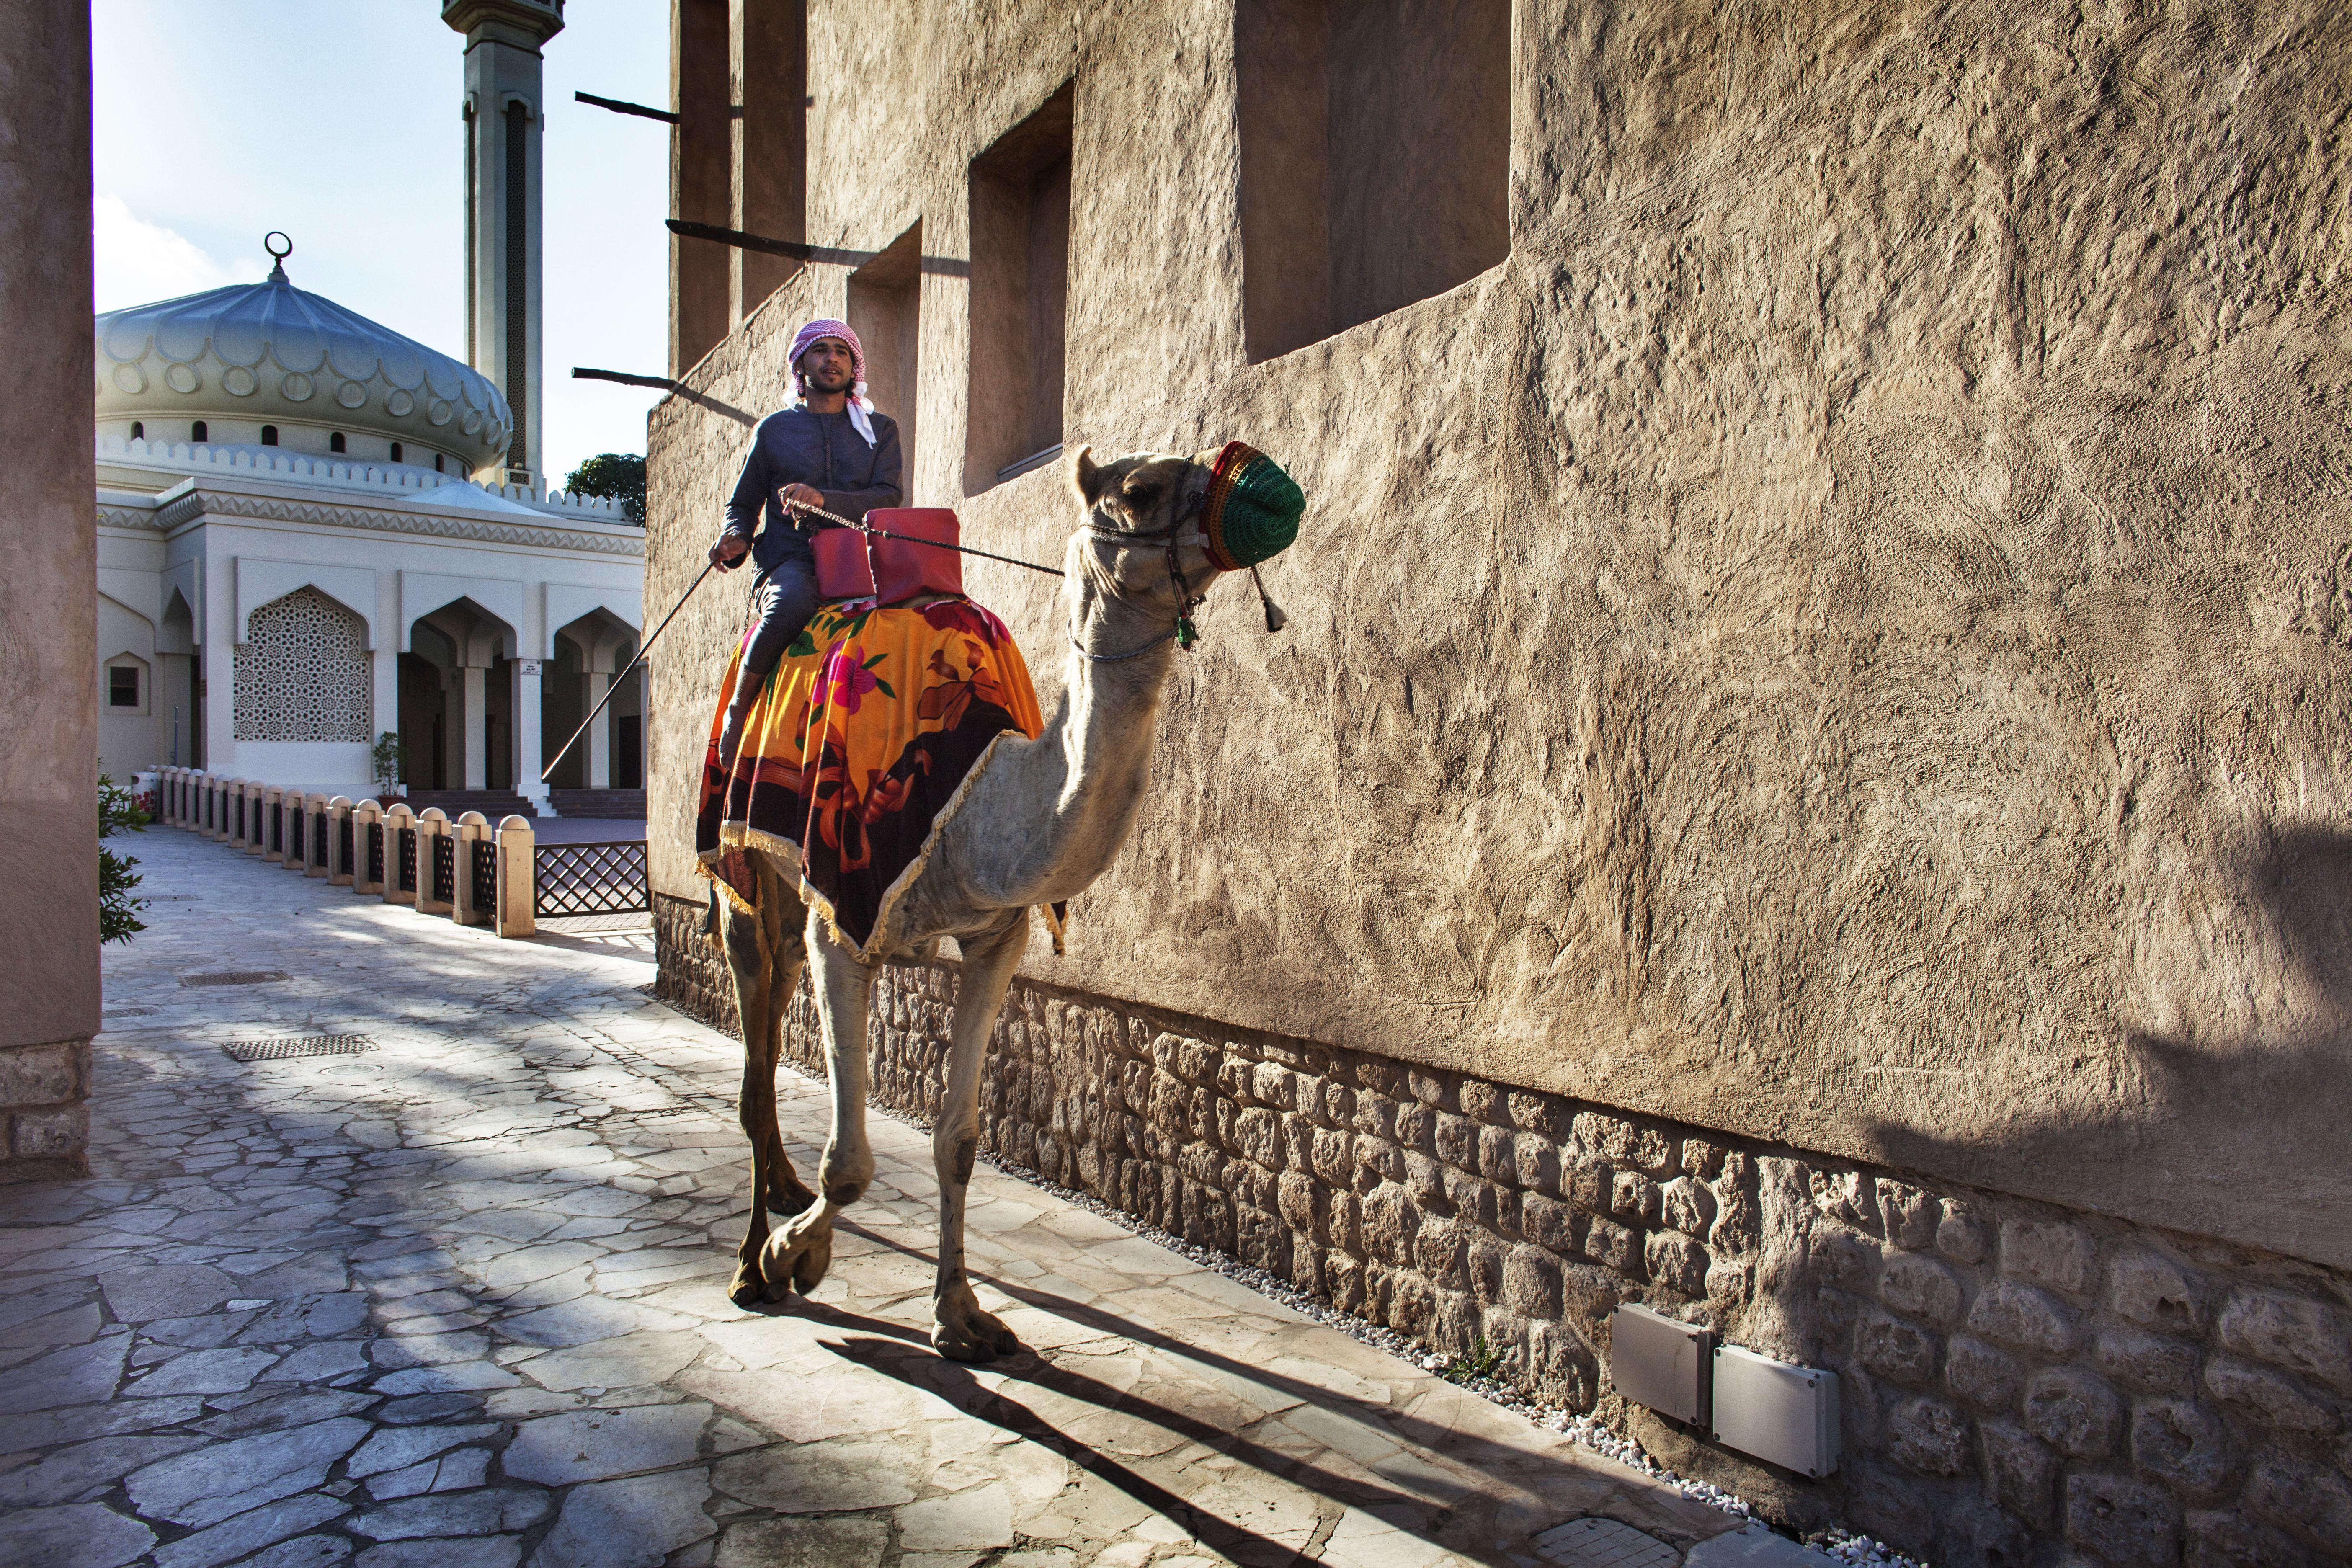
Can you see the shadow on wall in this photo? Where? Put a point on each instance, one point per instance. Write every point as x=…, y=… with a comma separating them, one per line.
x=2277, y=958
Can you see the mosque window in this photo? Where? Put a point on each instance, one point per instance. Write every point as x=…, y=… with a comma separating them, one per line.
x=302, y=672
x=1020, y=295
x=269, y=435
x=199, y=431
x=436, y=463
x=122, y=685
x=334, y=441
x=396, y=450
x=1375, y=158
x=138, y=431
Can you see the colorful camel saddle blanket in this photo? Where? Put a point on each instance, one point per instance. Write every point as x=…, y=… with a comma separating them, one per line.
x=858, y=752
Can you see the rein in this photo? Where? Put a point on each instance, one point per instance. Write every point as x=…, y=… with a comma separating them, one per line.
x=1183, y=632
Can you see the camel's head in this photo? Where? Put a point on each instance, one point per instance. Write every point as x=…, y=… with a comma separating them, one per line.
x=1153, y=519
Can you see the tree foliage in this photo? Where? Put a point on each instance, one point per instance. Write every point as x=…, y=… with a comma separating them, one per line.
x=615, y=474
x=118, y=911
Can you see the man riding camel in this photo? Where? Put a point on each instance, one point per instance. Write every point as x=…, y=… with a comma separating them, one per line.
x=830, y=450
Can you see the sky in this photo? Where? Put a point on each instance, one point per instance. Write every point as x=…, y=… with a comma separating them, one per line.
x=337, y=121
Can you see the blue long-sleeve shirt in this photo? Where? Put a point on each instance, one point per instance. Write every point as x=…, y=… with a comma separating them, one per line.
x=797, y=447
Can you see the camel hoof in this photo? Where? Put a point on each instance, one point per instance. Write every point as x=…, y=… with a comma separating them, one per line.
x=789, y=1201
x=977, y=1338
x=747, y=1289
x=797, y=1262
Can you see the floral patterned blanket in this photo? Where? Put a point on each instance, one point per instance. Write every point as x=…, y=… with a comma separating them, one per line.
x=859, y=751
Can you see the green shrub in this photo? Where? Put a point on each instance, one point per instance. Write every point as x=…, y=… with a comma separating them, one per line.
x=118, y=911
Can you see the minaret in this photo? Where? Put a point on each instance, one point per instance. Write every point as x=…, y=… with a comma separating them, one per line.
x=504, y=110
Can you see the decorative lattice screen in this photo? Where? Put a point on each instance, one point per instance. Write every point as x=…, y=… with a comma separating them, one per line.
x=301, y=673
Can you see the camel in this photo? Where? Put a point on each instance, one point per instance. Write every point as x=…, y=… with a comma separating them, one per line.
x=1039, y=825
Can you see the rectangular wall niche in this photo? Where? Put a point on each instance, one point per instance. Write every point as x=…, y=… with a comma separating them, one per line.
x=1375, y=151
x=767, y=63
x=1020, y=295
x=885, y=313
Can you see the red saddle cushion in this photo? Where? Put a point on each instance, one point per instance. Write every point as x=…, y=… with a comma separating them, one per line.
x=842, y=570
x=903, y=569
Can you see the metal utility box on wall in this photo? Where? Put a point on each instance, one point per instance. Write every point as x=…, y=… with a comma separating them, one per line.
x=1658, y=1361
x=1783, y=1415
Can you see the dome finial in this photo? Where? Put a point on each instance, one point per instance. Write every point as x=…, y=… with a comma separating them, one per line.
x=278, y=273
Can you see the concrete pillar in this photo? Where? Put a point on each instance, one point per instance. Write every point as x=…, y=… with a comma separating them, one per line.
x=529, y=744
x=598, y=742
x=270, y=839
x=474, y=838
x=339, y=860
x=399, y=854
x=518, y=872
x=49, y=596
x=504, y=110
x=318, y=842
x=387, y=694
x=432, y=826
x=367, y=821
x=470, y=719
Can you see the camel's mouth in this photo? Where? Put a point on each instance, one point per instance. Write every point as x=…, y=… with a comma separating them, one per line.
x=1251, y=508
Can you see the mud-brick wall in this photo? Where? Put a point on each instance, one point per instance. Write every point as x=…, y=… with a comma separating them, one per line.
x=2019, y=1382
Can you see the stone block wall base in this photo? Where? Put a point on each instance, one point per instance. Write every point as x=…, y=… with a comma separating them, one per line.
x=44, y=1110
x=2020, y=1385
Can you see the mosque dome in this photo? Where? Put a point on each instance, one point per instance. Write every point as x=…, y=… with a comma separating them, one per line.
x=271, y=351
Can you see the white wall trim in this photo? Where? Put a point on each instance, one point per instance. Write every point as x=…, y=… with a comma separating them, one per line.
x=260, y=580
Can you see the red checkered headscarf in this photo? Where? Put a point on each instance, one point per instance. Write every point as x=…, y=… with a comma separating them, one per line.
x=859, y=404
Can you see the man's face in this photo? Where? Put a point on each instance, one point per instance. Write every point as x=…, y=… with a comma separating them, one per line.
x=826, y=365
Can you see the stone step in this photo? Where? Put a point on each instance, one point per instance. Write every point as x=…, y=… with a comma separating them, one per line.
x=493, y=804
x=598, y=803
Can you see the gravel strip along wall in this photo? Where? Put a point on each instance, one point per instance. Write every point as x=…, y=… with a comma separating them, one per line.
x=2018, y=1381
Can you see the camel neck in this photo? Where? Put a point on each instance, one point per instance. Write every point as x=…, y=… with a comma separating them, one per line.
x=1079, y=784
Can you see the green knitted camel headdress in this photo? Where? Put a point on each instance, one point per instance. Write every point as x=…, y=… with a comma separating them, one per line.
x=1252, y=507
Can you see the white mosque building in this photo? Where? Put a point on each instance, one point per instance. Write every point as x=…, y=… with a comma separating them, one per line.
x=294, y=559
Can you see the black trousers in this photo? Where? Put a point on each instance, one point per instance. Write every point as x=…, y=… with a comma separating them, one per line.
x=786, y=596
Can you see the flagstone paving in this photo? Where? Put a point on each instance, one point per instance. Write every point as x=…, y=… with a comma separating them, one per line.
x=458, y=1301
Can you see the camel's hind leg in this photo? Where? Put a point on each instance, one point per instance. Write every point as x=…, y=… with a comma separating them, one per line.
x=784, y=915
x=757, y=959
x=960, y=1330
x=803, y=1250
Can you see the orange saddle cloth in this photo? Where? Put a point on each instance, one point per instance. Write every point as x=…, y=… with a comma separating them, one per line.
x=859, y=749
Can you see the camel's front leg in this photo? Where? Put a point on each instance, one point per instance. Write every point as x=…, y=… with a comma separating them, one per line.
x=746, y=938
x=802, y=1249
x=960, y=1329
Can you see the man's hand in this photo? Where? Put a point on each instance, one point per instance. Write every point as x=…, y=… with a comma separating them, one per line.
x=804, y=495
x=731, y=549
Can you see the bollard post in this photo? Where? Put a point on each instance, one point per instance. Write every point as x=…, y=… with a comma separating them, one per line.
x=432, y=828
x=239, y=819
x=477, y=854
x=339, y=841
x=368, y=855
x=272, y=836
x=399, y=854
x=219, y=825
x=518, y=848
x=314, y=833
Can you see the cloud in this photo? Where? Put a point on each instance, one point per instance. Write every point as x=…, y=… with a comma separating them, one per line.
x=140, y=262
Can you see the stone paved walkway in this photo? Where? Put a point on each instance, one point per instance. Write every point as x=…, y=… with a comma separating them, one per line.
x=458, y=1301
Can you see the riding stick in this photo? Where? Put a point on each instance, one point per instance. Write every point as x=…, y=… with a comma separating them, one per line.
x=644, y=649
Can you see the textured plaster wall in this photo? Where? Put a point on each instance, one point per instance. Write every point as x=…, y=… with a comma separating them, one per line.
x=48, y=593
x=1841, y=639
